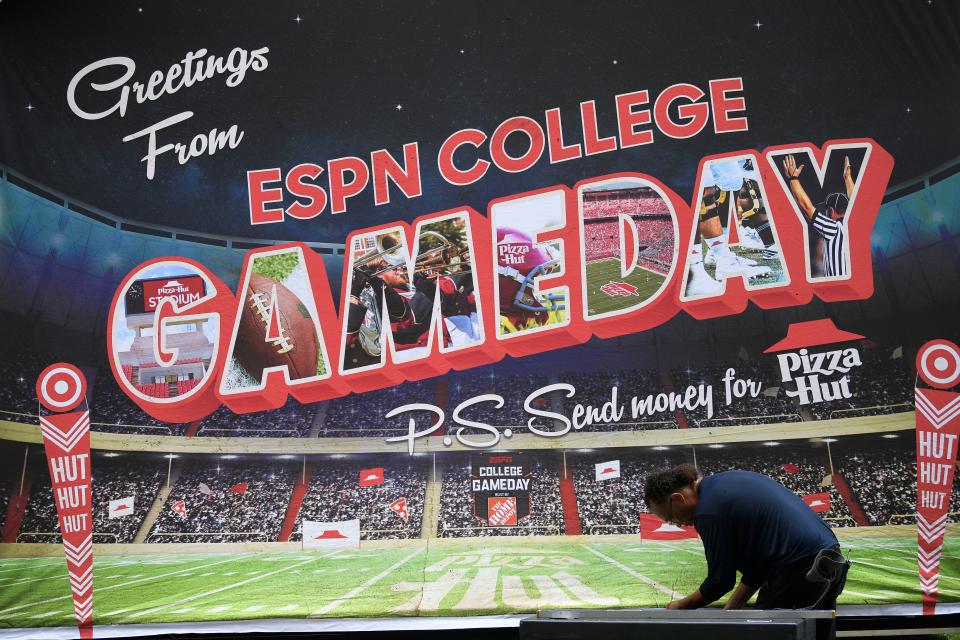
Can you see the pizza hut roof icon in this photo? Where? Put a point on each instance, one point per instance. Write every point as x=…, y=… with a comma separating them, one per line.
x=330, y=534
x=812, y=334
x=120, y=507
x=173, y=283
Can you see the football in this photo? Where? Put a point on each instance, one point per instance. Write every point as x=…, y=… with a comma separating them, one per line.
x=275, y=329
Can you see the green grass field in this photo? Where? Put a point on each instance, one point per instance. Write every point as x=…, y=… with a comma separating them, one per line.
x=470, y=577
x=602, y=272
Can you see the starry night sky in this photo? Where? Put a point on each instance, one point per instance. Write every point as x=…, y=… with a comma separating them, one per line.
x=346, y=78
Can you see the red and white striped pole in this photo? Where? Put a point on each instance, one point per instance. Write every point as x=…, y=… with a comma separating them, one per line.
x=938, y=432
x=61, y=388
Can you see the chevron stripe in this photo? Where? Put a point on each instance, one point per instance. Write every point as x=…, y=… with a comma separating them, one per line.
x=930, y=531
x=938, y=416
x=82, y=581
x=80, y=553
x=84, y=608
x=929, y=566
x=79, y=586
x=930, y=586
x=931, y=555
x=69, y=439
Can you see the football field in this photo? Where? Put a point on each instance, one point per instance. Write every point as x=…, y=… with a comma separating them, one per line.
x=603, y=272
x=463, y=577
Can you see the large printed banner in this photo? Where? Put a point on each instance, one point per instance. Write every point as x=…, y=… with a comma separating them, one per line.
x=363, y=311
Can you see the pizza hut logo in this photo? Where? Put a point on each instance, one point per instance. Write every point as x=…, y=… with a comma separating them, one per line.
x=182, y=291
x=614, y=289
x=513, y=253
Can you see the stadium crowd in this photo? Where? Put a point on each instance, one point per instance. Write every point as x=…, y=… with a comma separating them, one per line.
x=241, y=501
x=293, y=420
x=881, y=385
x=112, y=479
x=112, y=411
x=362, y=415
x=771, y=405
x=613, y=506
x=884, y=483
x=456, y=519
x=335, y=494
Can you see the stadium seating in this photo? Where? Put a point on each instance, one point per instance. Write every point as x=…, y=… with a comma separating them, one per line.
x=113, y=479
x=335, y=494
x=226, y=501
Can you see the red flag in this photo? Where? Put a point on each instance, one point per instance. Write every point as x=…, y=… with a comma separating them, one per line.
x=819, y=502
x=938, y=425
x=240, y=487
x=180, y=508
x=790, y=468
x=371, y=477
x=61, y=387
x=399, y=507
x=653, y=528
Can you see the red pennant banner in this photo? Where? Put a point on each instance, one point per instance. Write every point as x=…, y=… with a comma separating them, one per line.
x=66, y=441
x=938, y=431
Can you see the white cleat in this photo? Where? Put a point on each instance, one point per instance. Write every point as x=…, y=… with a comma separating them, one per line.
x=711, y=259
x=733, y=265
x=700, y=282
x=750, y=239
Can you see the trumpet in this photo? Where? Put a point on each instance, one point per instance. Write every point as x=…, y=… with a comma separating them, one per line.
x=444, y=258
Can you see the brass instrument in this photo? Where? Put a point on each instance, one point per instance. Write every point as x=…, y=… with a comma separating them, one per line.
x=443, y=259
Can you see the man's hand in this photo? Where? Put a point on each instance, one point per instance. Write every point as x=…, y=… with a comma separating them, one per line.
x=803, y=200
x=790, y=167
x=675, y=604
x=846, y=167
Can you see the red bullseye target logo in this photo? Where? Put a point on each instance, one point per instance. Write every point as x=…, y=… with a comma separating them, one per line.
x=61, y=387
x=938, y=363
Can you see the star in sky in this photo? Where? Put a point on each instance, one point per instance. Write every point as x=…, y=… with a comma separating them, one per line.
x=30, y=106
x=399, y=107
x=758, y=24
x=908, y=109
x=614, y=62
x=461, y=51
x=298, y=19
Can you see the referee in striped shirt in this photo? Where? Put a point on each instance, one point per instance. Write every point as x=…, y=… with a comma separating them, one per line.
x=826, y=218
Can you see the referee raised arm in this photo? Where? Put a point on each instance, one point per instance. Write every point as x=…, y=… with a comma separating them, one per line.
x=826, y=218
x=751, y=524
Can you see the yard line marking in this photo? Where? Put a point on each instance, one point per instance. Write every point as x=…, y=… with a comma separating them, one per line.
x=204, y=575
x=363, y=587
x=115, y=586
x=885, y=567
x=639, y=576
x=868, y=596
x=184, y=610
x=215, y=591
x=219, y=609
x=289, y=607
x=28, y=580
x=45, y=615
x=255, y=607
x=230, y=573
x=117, y=612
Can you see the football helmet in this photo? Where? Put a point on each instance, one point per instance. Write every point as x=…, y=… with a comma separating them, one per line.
x=519, y=263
